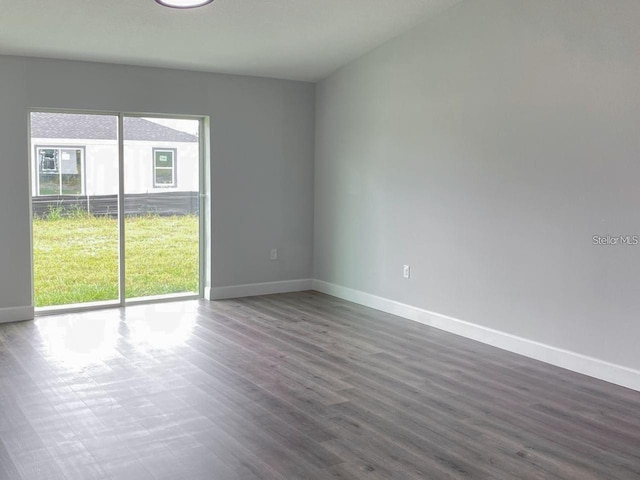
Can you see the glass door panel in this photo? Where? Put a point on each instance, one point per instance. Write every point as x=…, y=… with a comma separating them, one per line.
x=161, y=206
x=74, y=185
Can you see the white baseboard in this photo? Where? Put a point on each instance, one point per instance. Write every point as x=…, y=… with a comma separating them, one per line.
x=16, y=314
x=576, y=362
x=253, y=289
x=207, y=293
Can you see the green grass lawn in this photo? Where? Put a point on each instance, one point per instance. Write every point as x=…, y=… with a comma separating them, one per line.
x=76, y=258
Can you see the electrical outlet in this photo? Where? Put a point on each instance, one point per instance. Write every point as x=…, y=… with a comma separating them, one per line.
x=274, y=254
x=406, y=271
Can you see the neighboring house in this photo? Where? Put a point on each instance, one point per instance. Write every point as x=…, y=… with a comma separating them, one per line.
x=77, y=155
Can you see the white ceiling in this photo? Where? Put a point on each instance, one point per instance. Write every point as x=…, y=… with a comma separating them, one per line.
x=293, y=39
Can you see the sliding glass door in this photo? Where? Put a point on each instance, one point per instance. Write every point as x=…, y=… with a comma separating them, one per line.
x=116, y=208
x=161, y=206
x=74, y=184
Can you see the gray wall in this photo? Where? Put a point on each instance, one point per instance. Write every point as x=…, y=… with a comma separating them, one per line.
x=262, y=159
x=485, y=148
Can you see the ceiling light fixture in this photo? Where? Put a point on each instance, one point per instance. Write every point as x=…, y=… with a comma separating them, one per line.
x=184, y=3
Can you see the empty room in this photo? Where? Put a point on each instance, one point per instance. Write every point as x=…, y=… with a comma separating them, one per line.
x=310, y=240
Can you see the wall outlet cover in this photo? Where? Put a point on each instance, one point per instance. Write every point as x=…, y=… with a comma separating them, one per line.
x=406, y=271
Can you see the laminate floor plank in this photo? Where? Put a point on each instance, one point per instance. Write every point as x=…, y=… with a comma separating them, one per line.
x=8, y=469
x=296, y=386
x=453, y=434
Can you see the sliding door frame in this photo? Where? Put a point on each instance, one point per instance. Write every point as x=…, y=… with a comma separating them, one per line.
x=203, y=215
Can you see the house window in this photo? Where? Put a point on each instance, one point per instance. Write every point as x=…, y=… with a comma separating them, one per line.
x=60, y=170
x=164, y=167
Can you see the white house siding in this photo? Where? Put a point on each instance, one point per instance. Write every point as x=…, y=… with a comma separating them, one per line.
x=101, y=165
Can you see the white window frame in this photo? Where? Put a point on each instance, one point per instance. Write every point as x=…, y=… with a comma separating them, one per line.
x=204, y=169
x=59, y=148
x=174, y=176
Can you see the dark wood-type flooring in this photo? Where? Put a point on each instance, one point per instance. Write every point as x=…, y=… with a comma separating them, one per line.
x=294, y=386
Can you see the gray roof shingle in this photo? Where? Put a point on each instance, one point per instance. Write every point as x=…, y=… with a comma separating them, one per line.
x=102, y=127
